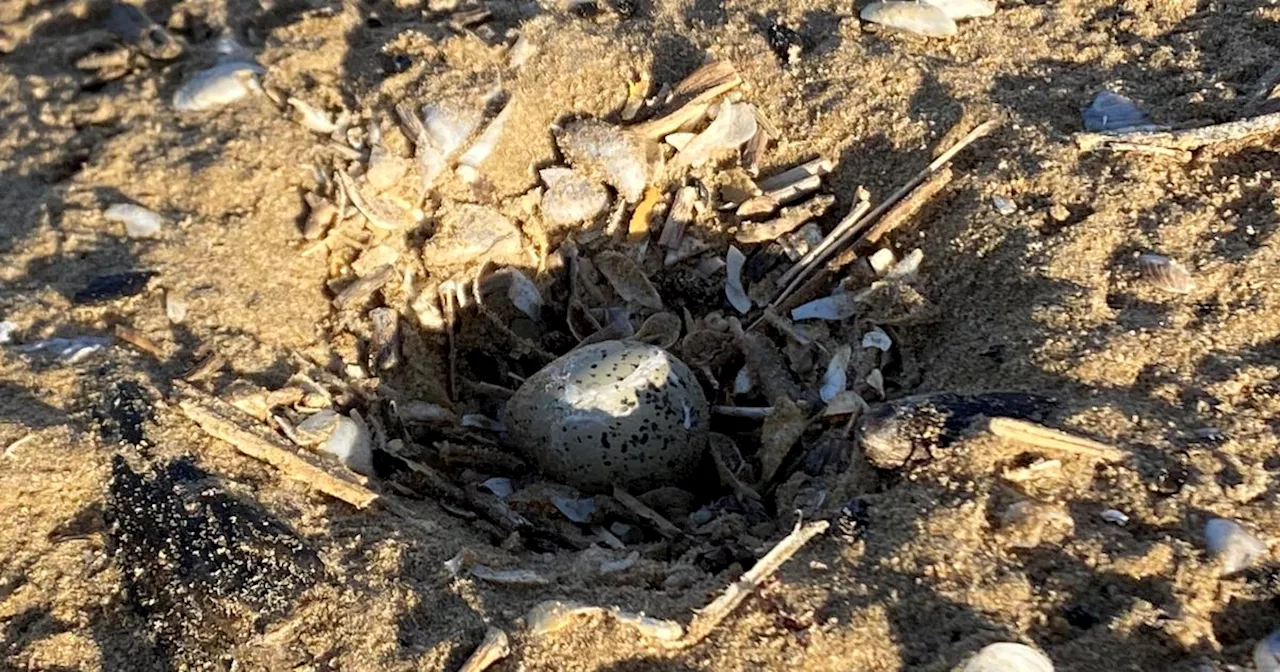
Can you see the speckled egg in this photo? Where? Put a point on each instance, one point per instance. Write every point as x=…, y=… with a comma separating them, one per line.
x=614, y=413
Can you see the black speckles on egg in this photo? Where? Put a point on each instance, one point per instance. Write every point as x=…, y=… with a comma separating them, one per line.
x=622, y=423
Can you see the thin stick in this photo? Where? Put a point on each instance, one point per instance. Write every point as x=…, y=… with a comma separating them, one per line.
x=494, y=648
x=719, y=609
x=1187, y=139
x=226, y=422
x=665, y=527
x=748, y=412
x=12, y=449
x=854, y=228
x=1040, y=436
x=824, y=249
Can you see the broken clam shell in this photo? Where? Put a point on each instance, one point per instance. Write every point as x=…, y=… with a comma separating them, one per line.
x=469, y=232
x=608, y=153
x=913, y=17
x=628, y=280
x=1165, y=273
x=965, y=9
x=570, y=197
x=139, y=222
x=218, y=86
x=1232, y=545
x=614, y=413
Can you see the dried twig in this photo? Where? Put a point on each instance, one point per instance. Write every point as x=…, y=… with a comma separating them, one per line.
x=691, y=98
x=223, y=421
x=494, y=648
x=138, y=340
x=1040, y=436
x=1186, y=139
x=720, y=608
x=748, y=412
x=665, y=527
x=364, y=287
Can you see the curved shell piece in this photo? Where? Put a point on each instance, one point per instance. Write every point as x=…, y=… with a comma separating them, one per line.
x=613, y=413
x=1165, y=273
x=1232, y=545
x=965, y=9
x=913, y=17
x=218, y=86
x=607, y=153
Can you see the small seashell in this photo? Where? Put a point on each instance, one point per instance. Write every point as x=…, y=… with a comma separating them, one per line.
x=661, y=329
x=680, y=139
x=218, y=86
x=313, y=118
x=139, y=222
x=876, y=338
x=733, y=126
x=628, y=280
x=840, y=306
x=351, y=443
x=1266, y=655
x=1008, y=657
x=608, y=153
x=1114, y=516
x=881, y=261
x=470, y=232
x=734, y=260
x=6, y=332
x=845, y=403
x=570, y=197
x=709, y=266
x=1003, y=205
x=317, y=428
x=836, y=379
x=68, y=350
x=907, y=268
x=875, y=380
x=743, y=382
x=965, y=9
x=913, y=17
x=649, y=627
x=1165, y=273
x=175, y=309
x=1232, y=545
x=470, y=161
x=554, y=615
x=1111, y=112
x=801, y=241
x=576, y=510
x=500, y=486
x=521, y=291
x=441, y=131
x=384, y=169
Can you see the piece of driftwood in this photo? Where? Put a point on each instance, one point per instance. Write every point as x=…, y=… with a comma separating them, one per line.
x=690, y=98
x=1047, y=438
x=221, y=420
x=1185, y=139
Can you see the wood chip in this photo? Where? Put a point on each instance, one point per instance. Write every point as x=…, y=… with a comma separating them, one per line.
x=1186, y=139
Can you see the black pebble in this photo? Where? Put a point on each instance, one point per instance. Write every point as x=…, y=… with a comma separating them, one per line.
x=106, y=288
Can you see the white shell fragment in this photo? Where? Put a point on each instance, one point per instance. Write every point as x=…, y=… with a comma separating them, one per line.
x=913, y=17
x=733, y=290
x=733, y=126
x=607, y=153
x=313, y=118
x=907, y=268
x=470, y=161
x=218, y=86
x=6, y=332
x=876, y=338
x=500, y=486
x=965, y=9
x=1008, y=657
x=576, y=510
x=521, y=52
x=1114, y=516
x=1232, y=545
x=1112, y=112
x=351, y=444
x=509, y=577
x=1003, y=205
x=470, y=231
x=520, y=290
x=836, y=379
x=1266, y=655
x=616, y=413
x=442, y=130
x=845, y=403
x=840, y=306
x=139, y=222
x=1166, y=274
x=571, y=197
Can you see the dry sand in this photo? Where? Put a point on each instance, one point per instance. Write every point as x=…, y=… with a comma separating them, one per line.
x=1042, y=300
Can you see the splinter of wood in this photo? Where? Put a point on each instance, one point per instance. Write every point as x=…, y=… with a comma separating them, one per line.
x=1040, y=436
x=1185, y=139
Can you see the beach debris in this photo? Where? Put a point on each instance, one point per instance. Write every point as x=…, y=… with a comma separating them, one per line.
x=469, y=163
x=351, y=443
x=363, y=287
x=380, y=214
x=607, y=153
x=577, y=510
x=637, y=91
x=500, y=486
x=68, y=350
x=1166, y=274
x=840, y=306
x=519, y=289
x=628, y=280
x=614, y=412
x=905, y=269
x=782, y=428
x=1178, y=144
x=689, y=99
x=787, y=186
x=105, y=288
x=965, y=9
x=1007, y=657
x=660, y=329
x=139, y=222
x=734, y=124
x=441, y=131
x=218, y=86
x=643, y=513
x=679, y=217
x=321, y=213
x=6, y=331
x=846, y=402
x=555, y=615
x=876, y=338
x=520, y=52
x=788, y=219
x=1266, y=654
x=315, y=119
x=383, y=169
x=570, y=197
x=1114, y=516
x=1232, y=545
x=733, y=290
x=836, y=379
x=1047, y=438
x=919, y=18
x=1111, y=112
x=508, y=577
x=470, y=232
x=493, y=647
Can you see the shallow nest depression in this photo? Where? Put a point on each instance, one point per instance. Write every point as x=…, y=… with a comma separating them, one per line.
x=965, y=383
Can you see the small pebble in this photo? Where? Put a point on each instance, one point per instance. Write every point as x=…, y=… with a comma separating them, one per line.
x=1059, y=212
x=351, y=444
x=174, y=308
x=1003, y=205
x=1112, y=112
